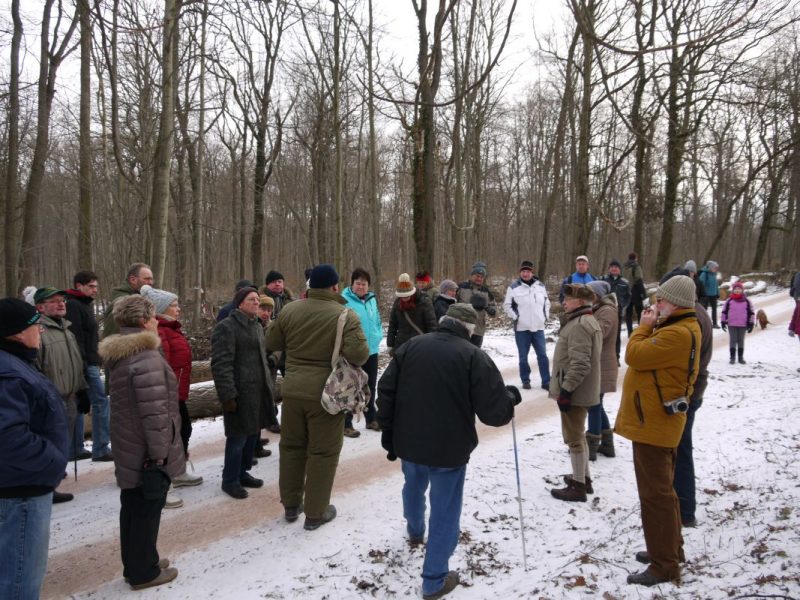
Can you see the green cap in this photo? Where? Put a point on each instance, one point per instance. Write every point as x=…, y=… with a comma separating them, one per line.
x=44, y=293
x=463, y=312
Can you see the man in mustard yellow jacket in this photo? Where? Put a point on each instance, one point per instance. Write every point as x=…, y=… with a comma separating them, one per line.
x=663, y=357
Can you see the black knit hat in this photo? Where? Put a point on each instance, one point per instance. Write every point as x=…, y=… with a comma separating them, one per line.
x=526, y=266
x=241, y=294
x=243, y=283
x=614, y=263
x=323, y=276
x=272, y=276
x=16, y=316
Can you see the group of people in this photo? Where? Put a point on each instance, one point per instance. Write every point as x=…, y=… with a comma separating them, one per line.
x=50, y=369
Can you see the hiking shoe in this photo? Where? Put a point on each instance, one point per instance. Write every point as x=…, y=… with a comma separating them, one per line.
x=546, y=386
x=59, y=497
x=186, y=480
x=415, y=541
x=235, y=490
x=105, y=458
x=373, y=425
x=646, y=578
x=82, y=455
x=450, y=583
x=165, y=576
x=351, y=433
x=173, y=501
x=274, y=428
x=574, y=492
x=643, y=557
x=526, y=385
x=689, y=522
x=292, y=513
x=327, y=516
x=163, y=563
x=248, y=480
x=588, y=484
x=262, y=452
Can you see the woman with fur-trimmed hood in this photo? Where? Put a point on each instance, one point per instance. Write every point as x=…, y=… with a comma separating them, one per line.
x=145, y=428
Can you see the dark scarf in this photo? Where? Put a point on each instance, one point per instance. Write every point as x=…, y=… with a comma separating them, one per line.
x=19, y=350
x=409, y=305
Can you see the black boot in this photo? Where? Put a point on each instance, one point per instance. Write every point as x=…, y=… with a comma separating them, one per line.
x=733, y=355
x=741, y=356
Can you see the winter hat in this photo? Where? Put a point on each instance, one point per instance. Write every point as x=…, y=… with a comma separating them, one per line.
x=712, y=265
x=479, y=268
x=680, y=290
x=463, y=312
x=526, y=265
x=614, y=263
x=44, y=293
x=241, y=294
x=632, y=256
x=690, y=266
x=600, y=288
x=243, y=283
x=266, y=301
x=323, y=276
x=579, y=291
x=423, y=277
x=274, y=276
x=404, y=287
x=447, y=285
x=738, y=285
x=582, y=257
x=161, y=299
x=15, y=316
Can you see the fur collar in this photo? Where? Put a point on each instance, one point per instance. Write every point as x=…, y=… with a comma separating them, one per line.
x=119, y=346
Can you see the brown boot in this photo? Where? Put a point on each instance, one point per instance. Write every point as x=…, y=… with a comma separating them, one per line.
x=589, y=488
x=593, y=442
x=574, y=492
x=607, y=444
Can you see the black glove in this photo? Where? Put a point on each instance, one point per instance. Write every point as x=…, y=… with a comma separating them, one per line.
x=564, y=400
x=83, y=402
x=491, y=311
x=387, y=442
x=724, y=327
x=478, y=301
x=514, y=391
x=750, y=328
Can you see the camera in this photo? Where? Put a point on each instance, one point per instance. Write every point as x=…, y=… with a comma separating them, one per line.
x=677, y=406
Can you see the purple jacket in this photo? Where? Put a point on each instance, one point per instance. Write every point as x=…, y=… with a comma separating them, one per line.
x=738, y=312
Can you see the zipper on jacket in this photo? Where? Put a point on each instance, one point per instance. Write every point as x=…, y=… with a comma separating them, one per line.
x=638, y=403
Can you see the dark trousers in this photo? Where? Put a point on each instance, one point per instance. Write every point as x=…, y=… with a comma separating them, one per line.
x=139, y=520
x=684, y=482
x=238, y=457
x=661, y=515
x=371, y=369
x=186, y=427
x=636, y=304
x=619, y=334
x=710, y=301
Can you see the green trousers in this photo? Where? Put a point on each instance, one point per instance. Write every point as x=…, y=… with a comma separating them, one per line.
x=311, y=440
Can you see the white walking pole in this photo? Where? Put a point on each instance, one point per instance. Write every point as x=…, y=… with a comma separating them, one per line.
x=519, y=498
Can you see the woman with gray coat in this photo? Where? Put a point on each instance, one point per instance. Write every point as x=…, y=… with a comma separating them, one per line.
x=145, y=431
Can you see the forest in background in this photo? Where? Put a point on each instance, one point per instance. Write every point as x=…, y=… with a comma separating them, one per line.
x=219, y=140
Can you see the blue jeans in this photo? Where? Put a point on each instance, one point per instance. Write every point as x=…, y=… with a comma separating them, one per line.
x=598, y=419
x=24, y=538
x=238, y=458
x=683, y=480
x=100, y=412
x=526, y=339
x=447, y=492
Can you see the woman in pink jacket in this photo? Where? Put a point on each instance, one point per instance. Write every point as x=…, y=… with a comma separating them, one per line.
x=737, y=319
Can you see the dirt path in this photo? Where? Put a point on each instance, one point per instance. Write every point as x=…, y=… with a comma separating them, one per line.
x=89, y=566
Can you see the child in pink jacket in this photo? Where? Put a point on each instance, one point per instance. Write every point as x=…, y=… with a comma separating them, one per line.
x=737, y=319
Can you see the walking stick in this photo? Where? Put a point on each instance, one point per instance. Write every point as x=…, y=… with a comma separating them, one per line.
x=519, y=498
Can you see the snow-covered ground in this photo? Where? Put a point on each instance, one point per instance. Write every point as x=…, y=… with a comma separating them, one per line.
x=747, y=544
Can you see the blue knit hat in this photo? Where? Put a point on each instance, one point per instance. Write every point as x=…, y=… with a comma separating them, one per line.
x=323, y=276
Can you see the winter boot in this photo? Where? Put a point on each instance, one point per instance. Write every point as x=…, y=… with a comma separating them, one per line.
x=733, y=356
x=593, y=442
x=589, y=489
x=741, y=357
x=574, y=492
x=607, y=444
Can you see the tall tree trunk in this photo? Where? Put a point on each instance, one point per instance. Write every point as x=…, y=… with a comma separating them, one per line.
x=85, y=258
x=582, y=189
x=372, y=178
x=198, y=203
x=337, y=128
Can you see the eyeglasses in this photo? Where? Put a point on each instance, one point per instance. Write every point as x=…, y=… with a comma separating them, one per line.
x=56, y=301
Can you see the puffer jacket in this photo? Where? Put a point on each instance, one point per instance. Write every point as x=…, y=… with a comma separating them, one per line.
x=441, y=304
x=239, y=367
x=483, y=295
x=709, y=279
x=423, y=316
x=145, y=419
x=178, y=353
x=527, y=304
x=607, y=316
x=738, y=312
x=576, y=360
x=370, y=316
x=60, y=357
x=306, y=331
x=660, y=354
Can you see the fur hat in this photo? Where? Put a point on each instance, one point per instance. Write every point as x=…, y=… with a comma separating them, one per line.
x=273, y=276
x=526, y=265
x=15, y=316
x=404, y=287
x=600, y=288
x=323, y=276
x=463, y=312
x=447, y=285
x=161, y=299
x=579, y=291
x=679, y=290
x=690, y=266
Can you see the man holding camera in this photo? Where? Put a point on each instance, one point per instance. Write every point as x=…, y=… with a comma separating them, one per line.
x=474, y=292
x=663, y=357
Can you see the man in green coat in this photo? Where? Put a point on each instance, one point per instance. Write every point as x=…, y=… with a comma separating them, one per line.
x=139, y=274
x=311, y=438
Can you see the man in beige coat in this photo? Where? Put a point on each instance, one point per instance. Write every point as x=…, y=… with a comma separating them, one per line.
x=575, y=384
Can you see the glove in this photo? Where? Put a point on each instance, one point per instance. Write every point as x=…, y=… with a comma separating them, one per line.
x=229, y=405
x=724, y=326
x=564, y=400
x=791, y=333
x=83, y=402
x=491, y=311
x=478, y=301
x=387, y=441
x=750, y=328
x=514, y=391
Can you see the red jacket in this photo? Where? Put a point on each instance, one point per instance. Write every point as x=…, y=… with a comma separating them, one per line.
x=178, y=353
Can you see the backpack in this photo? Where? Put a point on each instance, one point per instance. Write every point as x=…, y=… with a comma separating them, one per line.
x=346, y=388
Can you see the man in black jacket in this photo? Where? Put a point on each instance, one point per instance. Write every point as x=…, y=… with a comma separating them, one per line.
x=83, y=324
x=428, y=398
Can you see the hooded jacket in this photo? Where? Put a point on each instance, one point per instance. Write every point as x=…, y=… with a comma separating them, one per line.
x=527, y=304
x=370, y=316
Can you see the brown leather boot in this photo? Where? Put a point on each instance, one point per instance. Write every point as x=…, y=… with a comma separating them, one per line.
x=589, y=488
x=574, y=492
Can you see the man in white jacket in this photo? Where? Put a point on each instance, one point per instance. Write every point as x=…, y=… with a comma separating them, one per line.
x=528, y=306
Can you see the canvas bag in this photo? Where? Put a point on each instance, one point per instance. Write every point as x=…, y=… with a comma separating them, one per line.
x=346, y=388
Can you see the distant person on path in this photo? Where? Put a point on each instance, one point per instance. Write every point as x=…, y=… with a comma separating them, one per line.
x=33, y=446
x=635, y=276
x=663, y=357
x=229, y=307
x=581, y=275
x=445, y=298
x=474, y=292
x=412, y=314
x=429, y=396
x=709, y=277
x=528, y=306
x=738, y=319
x=139, y=274
x=311, y=438
x=575, y=385
x=621, y=288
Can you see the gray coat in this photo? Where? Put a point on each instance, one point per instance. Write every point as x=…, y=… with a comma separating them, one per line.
x=145, y=418
x=60, y=357
x=607, y=316
x=576, y=361
x=239, y=368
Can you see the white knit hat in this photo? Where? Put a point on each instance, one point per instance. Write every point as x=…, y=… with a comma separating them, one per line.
x=404, y=287
x=160, y=298
x=680, y=290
